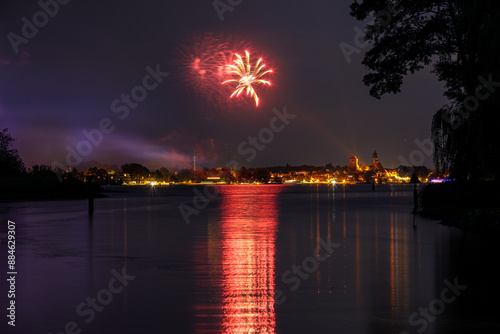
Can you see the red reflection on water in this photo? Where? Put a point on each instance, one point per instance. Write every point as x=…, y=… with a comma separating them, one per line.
x=248, y=232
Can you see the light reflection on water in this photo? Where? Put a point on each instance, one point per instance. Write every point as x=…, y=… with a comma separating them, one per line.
x=249, y=224
x=219, y=273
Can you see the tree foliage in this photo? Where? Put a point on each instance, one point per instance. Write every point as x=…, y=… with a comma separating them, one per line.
x=460, y=41
x=262, y=175
x=100, y=175
x=10, y=161
x=136, y=171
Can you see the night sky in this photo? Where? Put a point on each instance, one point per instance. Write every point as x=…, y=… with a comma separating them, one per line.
x=65, y=79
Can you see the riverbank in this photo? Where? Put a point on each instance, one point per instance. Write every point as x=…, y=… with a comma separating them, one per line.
x=29, y=188
x=472, y=206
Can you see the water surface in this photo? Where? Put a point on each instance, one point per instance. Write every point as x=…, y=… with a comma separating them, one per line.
x=243, y=245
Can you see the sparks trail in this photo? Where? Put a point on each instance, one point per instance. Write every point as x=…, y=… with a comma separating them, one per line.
x=202, y=60
x=248, y=76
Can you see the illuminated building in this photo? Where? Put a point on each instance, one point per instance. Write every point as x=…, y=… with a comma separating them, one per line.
x=376, y=165
x=353, y=164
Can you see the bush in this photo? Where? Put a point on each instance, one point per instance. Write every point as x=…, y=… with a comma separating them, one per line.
x=454, y=200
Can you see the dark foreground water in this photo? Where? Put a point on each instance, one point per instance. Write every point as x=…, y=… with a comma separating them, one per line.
x=246, y=259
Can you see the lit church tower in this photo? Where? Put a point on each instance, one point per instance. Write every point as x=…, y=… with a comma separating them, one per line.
x=375, y=158
x=353, y=164
x=375, y=164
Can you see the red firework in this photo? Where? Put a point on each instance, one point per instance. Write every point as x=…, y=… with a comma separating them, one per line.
x=203, y=61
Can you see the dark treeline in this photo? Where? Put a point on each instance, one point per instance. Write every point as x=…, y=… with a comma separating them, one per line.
x=44, y=182
x=38, y=182
x=460, y=42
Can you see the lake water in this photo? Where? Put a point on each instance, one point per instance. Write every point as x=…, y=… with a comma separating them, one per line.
x=247, y=259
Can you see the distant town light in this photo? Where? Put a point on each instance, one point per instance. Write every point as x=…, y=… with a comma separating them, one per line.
x=440, y=180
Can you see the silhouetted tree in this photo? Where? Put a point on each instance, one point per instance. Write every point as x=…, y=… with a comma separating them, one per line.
x=165, y=174
x=73, y=175
x=100, y=175
x=262, y=175
x=43, y=173
x=136, y=171
x=244, y=175
x=461, y=41
x=156, y=175
x=10, y=161
x=185, y=175
x=368, y=175
x=226, y=176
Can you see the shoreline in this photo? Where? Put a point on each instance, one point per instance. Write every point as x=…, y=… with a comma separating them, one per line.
x=471, y=206
x=113, y=189
x=474, y=220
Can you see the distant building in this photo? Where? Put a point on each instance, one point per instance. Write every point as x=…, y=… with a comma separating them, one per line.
x=353, y=164
x=376, y=165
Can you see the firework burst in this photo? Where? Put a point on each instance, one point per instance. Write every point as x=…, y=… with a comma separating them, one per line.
x=201, y=61
x=248, y=75
x=200, y=57
x=205, y=60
